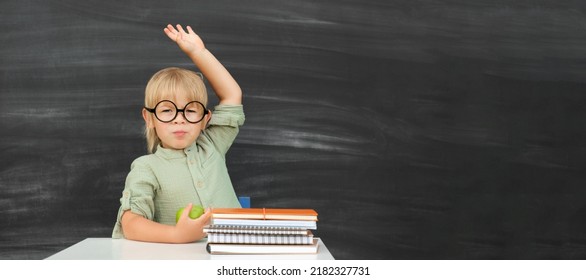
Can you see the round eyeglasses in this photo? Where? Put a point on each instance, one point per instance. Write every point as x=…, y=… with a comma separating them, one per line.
x=166, y=111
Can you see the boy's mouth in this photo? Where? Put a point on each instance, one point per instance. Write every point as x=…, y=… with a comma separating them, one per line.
x=179, y=133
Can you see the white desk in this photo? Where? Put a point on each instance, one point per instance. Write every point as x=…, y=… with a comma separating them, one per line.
x=122, y=249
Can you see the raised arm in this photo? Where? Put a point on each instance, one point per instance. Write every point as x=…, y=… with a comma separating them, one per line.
x=226, y=88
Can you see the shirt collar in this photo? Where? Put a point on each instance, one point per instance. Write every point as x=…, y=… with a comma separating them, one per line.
x=174, y=154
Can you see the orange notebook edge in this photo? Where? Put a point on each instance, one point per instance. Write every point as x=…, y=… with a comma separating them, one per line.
x=263, y=212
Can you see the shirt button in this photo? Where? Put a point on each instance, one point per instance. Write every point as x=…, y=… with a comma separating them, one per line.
x=199, y=184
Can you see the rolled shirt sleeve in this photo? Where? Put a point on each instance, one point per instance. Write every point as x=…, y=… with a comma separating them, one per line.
x=138, y=195
x=224, y=126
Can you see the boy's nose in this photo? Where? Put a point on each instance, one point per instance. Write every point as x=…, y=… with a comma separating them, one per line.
x=179, y=118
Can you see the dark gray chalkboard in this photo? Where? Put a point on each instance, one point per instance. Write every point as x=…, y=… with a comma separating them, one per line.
x=418, y=129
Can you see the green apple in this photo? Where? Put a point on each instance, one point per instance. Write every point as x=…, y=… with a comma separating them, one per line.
x=195, y=212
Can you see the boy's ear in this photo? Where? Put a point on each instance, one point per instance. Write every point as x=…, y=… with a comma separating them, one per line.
x=208, y=118
x=147, y=119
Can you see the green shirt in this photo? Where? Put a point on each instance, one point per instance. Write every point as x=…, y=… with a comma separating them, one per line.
x=161, y=183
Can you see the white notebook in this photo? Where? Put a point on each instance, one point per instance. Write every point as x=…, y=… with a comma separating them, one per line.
x=270, y=223
x=255, y=230
x=220, y=249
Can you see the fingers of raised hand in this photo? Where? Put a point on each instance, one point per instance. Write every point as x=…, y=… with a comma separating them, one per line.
x=171, y=32
x=170, y=28
x=180, y=29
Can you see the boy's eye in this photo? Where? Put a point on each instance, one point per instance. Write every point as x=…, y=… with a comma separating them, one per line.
x=165, y=111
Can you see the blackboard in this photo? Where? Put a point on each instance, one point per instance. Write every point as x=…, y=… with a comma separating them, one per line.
x=417, y=129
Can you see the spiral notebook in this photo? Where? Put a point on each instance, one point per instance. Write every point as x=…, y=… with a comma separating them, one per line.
x=234, y=229
x=259, y=238
x=257, y=234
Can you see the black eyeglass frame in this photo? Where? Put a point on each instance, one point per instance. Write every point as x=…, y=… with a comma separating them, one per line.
x=177, y=110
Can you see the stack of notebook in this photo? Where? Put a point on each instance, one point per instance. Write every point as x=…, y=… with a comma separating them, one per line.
x=262, y=231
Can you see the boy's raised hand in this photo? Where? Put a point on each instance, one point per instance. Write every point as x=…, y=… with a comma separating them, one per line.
x=189, y=41
x=223, y=84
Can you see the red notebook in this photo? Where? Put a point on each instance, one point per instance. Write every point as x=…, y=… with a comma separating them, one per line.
x=265, y=214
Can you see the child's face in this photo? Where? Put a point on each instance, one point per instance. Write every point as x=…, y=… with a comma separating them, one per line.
x=179, y=133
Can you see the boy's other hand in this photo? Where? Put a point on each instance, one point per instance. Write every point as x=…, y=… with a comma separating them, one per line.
x=189, y=230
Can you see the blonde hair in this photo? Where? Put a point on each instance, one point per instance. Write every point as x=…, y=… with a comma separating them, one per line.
x=167, y=84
